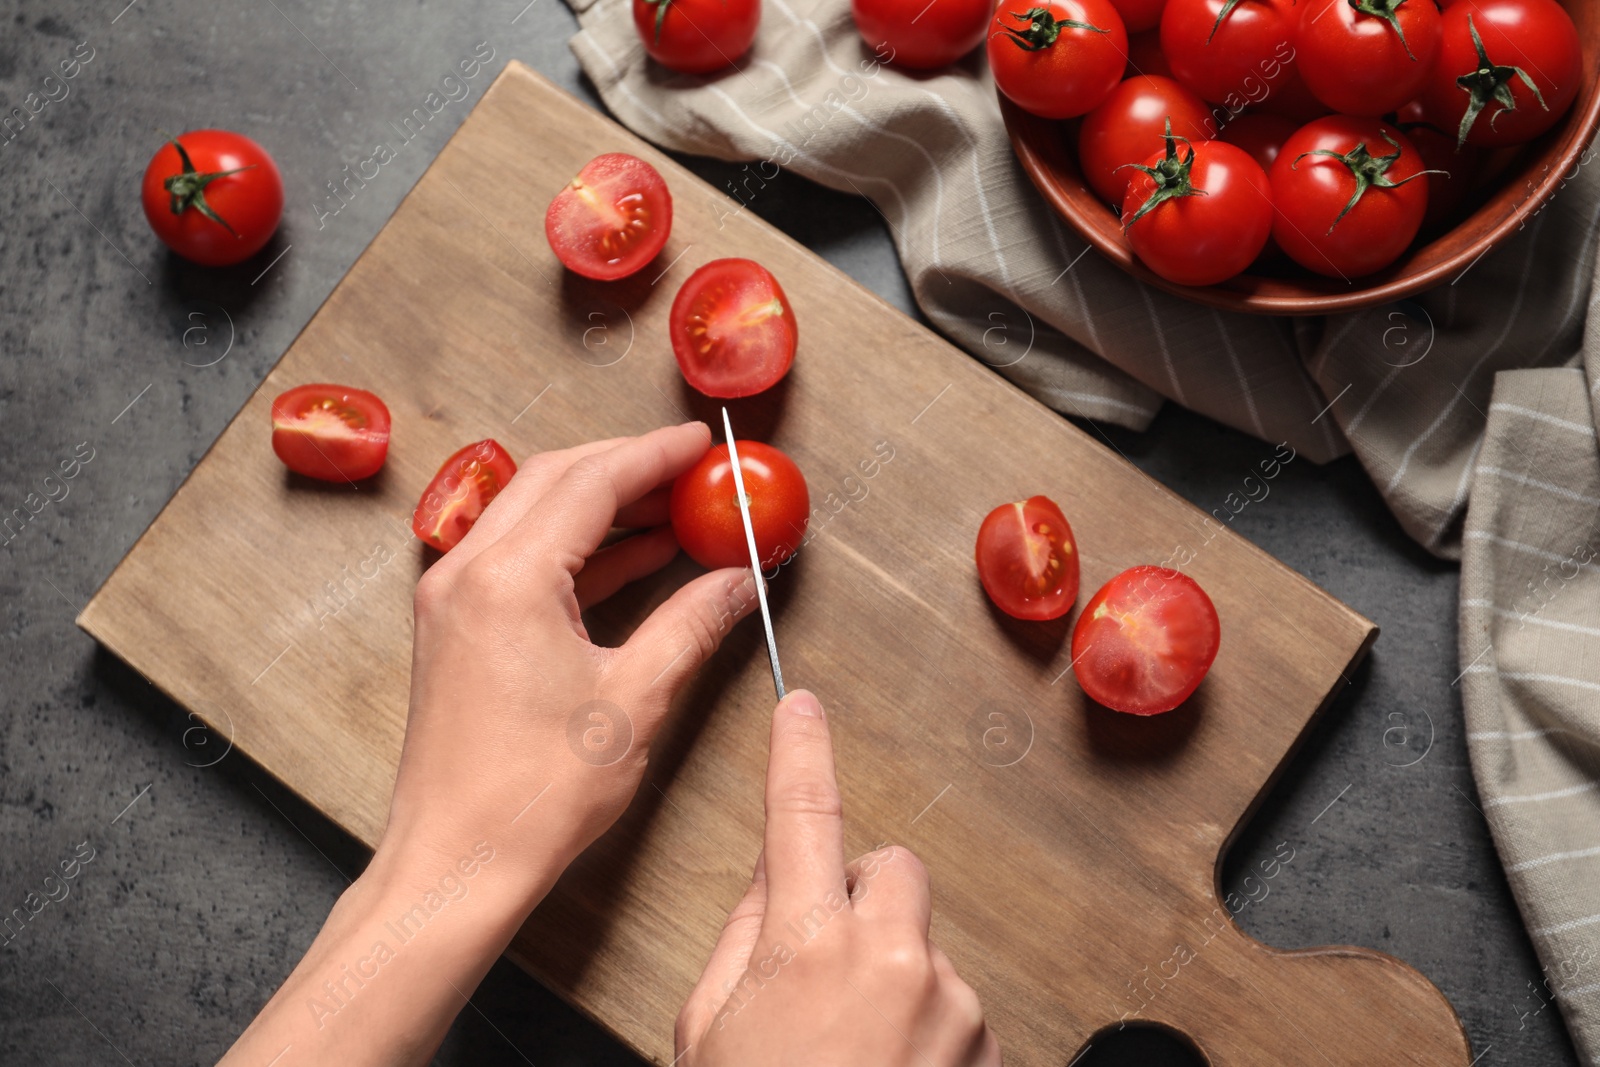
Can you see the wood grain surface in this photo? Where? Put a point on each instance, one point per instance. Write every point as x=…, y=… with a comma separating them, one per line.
x=1074, y=851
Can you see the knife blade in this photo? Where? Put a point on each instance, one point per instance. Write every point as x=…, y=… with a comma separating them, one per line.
x=755, y=560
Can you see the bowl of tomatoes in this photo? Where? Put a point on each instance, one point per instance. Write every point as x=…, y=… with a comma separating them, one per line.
x=1297, y=157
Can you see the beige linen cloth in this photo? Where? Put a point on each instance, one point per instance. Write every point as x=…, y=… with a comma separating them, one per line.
x=1480, y=388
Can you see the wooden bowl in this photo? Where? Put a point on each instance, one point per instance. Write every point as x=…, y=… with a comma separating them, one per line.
x=1048, y=153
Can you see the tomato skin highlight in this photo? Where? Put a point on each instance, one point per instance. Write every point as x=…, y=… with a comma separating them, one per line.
x=1203, y=240
x=1028, y=559
x=251, y=201
x=1069, y=76
x=1310, y=194
x=1536, y=36
x=611, y=219
x=1145, y=641
x=1247, y=59
x=1129, y=125
x=1358, y=63
x=697, y=36
x=705, y=509
x=330, y=432
x=920, y=35
x=733, y=331
x=466, y=484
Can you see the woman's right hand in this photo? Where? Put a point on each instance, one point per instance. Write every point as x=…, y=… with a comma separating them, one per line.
x=824, y=963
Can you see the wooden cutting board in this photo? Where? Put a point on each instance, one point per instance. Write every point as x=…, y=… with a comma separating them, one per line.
x=1074, y=851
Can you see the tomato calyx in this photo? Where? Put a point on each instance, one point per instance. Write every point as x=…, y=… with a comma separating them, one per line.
x=1489, y=82
x=188, y=189
x=1043, y=29
x=1387, y=10
x=661, y=14
x=1170, y=175
x=1368, y=170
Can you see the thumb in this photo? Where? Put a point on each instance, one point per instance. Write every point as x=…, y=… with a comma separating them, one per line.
x=679, y=636
x=729, y=960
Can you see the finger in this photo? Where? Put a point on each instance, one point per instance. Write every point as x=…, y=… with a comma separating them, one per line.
x=652, y=509
x=729, y=960
x=628, y=560
x=890, y=888
x=679, y=636
x=533, y=479
x=805, y=817
x=571, y=519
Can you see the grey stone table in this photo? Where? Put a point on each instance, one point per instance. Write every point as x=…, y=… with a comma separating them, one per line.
x=207, y=882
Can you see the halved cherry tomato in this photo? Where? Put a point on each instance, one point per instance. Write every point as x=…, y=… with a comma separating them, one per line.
x=1129, y=125
x=705, y=511
x=732, y=329
x=1367, y=57
x=331, y=432
x=1492, y=51
x=464, y=486
x=213, y=196
x=611, y=219
x=1057, y=58
x=1028, y=559
x=1145, y=641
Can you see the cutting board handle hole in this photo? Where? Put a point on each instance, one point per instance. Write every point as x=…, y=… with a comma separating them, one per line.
x=1139, y=1045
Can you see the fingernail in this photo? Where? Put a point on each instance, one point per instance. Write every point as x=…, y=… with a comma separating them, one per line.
x=803, y=702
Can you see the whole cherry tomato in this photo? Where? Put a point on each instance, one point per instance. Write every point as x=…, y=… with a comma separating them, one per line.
x=921, y=34
x=1128, y=126
x=705, y=509
x=1057, y=58
x=1145, y=641
x=1507, y=71
x=459, y=492
x=1260, y=134
x=1347, y=196
x=1028, y=559
x=331, y=432
x=1367, y=57
x=1239, y=53
x=1139, y=15
x=212, y=196
x=732, y=329
x=1452, y=168
x=696, y=36
x=1198, y=214
x=611, y=219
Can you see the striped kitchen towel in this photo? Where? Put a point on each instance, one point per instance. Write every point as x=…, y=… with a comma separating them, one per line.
x=1409, y=388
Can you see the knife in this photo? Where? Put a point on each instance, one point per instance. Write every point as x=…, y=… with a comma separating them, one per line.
x=755, y=560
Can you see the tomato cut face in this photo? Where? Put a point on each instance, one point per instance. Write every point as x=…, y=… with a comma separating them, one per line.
x=611, y=219
x=464, y=486
x=1145, y=641
x=331, y=432
x=1028, y=559
x=705, y=509
x=732, y=329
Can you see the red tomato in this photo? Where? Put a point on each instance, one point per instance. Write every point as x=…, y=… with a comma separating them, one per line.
x=1261, y=135
x=611, y=219
x=1237, y=53
x=732, y=329
x=1129, y=125
x=705, y=511
x=1457, y=167
x=1199, y=215
x=212, y=196
x=1343, y=210
x=1145, y=641
x=1367, y=57
x=331, y=432
x=1139, y=15
x=696, y=36
x=1057, y=58
x=459, y=493
x=922, y=34
x=1507, y=70
x=1145, y=55
x=1028, y=560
